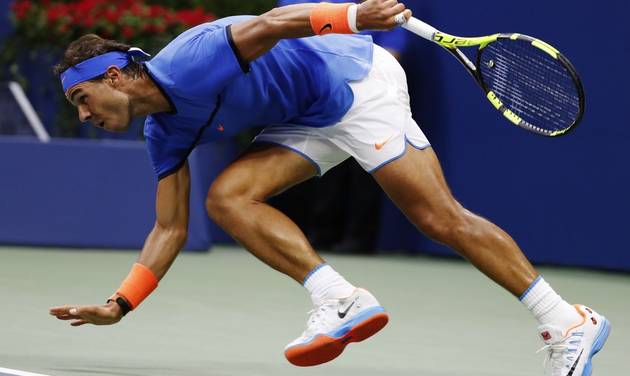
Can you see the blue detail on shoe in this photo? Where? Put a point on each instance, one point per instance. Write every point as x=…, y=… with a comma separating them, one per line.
x=600, y=340
x=530, y=288
x=345, y=328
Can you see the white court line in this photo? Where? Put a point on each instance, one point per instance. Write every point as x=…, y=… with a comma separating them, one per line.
x=14, y=372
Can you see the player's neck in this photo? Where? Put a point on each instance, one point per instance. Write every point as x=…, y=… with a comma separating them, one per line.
x=146, y=98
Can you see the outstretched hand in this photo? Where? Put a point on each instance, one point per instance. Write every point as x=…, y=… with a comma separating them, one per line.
x=381, y=14
x=106, y=314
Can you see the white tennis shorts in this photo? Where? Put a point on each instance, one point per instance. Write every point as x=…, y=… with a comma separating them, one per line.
x=374, y=131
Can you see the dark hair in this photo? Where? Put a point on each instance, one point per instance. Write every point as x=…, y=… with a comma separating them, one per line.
x=91, y=45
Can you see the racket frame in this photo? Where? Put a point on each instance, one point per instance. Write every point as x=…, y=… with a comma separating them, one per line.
x=452, y=43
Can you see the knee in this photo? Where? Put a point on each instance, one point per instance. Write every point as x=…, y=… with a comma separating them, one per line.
x=225, y=199
x=445, y=226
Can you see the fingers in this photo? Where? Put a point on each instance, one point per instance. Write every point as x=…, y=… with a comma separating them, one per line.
x=403, y=17
x=64, y=312
x=389, y=3
x=396, y=13
x=67, y=317
x=381, y=14
x=394, y=10
x=67, y=312
x=61, y=310
x=81, y=315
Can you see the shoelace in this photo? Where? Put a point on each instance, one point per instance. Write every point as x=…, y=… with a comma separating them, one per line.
x=317, y=318
x=554, y=357
x=557, y=352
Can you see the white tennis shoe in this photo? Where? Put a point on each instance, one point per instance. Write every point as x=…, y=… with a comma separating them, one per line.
x=333, y=325
x=570, y=352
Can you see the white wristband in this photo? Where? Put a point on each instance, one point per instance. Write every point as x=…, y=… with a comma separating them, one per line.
x=352, y=17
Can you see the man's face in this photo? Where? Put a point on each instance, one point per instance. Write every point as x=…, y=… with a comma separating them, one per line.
x=102, y=104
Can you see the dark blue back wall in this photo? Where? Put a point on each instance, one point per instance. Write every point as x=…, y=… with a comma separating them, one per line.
x=5, y=22
x=80, y=193
x=564, y=199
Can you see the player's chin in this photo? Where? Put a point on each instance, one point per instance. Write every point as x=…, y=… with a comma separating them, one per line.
x=117, y=128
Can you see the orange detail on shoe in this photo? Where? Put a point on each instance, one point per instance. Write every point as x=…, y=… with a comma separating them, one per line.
x=329, y=18
x=379, y=146
x=220, y=127
x=324, y=349
x=577, y=308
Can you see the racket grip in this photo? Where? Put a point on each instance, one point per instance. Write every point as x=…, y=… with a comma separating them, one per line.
x=420, y=28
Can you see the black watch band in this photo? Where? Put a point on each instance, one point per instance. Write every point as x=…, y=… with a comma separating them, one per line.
x=122, y=303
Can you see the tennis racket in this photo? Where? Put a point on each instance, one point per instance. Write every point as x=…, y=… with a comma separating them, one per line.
x=530, y=82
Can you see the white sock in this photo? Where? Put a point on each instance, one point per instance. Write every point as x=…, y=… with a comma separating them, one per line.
x=548, y=307
x=324, y=283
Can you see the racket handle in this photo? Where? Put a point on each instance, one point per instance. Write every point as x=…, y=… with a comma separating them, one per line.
x=420, y=28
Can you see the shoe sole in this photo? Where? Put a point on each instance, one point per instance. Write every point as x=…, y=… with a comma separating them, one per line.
x=600, y=340
x=326, y=347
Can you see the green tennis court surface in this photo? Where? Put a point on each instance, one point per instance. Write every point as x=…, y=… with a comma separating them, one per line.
x=225, y=313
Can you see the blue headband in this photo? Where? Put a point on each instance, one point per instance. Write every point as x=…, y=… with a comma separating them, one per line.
x=96, y=66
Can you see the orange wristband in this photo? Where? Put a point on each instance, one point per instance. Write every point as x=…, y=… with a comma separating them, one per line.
x=139, y=284
x=329, y=18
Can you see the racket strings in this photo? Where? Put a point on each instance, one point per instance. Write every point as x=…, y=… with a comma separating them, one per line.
x=531, y=83
x=555, y=99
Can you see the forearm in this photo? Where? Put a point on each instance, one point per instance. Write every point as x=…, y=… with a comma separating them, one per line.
x=258, y=35
x=292, y=21
x=165, y=240
x=161, y=248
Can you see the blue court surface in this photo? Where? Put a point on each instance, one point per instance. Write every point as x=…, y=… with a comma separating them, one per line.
x=225, y=313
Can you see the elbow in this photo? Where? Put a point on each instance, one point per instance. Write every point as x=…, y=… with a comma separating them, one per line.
x=179, y=236
x=273, y=13
x=175, y=235
x=268, y=25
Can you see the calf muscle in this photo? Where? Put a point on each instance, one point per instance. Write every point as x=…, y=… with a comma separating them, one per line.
x=236, y=201
x=417, y=186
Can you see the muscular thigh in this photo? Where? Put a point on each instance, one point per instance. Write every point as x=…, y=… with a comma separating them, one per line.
x=417, y=186
x=262, y=171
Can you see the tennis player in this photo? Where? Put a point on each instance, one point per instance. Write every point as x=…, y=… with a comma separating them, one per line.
x=325, y=95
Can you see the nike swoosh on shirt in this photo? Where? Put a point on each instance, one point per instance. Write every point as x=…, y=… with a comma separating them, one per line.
x=575, y=364
x=343, y=313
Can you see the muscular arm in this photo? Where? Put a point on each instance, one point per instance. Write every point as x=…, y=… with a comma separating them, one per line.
x=258, y=35
x=160, y=249
x=171, y=225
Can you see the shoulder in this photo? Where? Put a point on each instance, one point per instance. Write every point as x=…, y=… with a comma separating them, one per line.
x=196, y=40
x=186, y=62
